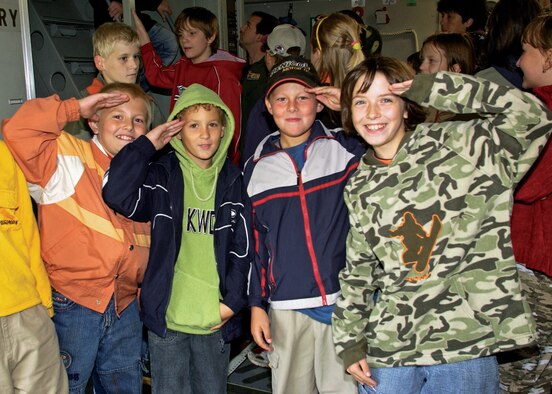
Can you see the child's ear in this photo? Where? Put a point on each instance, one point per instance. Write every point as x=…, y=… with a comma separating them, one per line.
x=547, y=61
x=468, y=23
x=99, y=62
x=94, y=125
x=319, y=106
x=456, y=68
x=268, y=106
x=211, y=39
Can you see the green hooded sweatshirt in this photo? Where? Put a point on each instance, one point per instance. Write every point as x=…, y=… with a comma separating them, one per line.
x=195, y=295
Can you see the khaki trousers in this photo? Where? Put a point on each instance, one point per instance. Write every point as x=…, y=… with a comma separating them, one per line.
x=304, y=359
x=29, y=354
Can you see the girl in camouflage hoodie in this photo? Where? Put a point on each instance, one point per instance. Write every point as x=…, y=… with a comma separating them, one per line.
x=430, y=291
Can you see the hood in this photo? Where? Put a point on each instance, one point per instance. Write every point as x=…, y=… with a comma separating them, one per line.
x=199, y=94
x=225, y=60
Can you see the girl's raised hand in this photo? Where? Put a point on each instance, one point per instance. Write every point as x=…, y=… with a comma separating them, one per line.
x=327, y=95
x=400, y=87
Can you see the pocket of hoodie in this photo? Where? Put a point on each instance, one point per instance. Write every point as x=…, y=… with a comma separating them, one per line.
x=469, y=319
x=8, y=209
x=187, y=309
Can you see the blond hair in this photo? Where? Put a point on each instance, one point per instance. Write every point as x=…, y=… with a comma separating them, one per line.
x=337, y=38
x=107, y=35
x=134, y=91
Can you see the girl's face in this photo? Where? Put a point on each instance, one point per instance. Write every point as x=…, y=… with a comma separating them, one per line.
x=536, y=67
x=378, y=116
x=433, y=59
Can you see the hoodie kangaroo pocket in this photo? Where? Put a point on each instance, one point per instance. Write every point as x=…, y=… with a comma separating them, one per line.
x=194, y=303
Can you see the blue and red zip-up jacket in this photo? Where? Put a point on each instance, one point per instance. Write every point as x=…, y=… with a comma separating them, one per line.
x=300, y=218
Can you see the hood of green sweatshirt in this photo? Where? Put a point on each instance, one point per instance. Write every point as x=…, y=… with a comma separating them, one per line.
x=199, y=94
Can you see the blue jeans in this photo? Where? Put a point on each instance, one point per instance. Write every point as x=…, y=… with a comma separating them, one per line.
x=166, y=46
x=477, y=376
x=188, y=363
x=100, y=345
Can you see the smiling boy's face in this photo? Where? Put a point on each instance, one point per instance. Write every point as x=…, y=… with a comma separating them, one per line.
x=121, y=125
x=294, y=112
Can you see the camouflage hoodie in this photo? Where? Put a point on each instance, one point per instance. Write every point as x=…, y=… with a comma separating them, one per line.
x=430, y=233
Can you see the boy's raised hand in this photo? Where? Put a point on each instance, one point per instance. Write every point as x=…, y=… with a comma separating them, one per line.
x=162, y=134
x=140, y=29
x=90, y=105
x=400, y=87
x=260, y=328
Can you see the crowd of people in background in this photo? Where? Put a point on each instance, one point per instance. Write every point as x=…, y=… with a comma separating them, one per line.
x=371, y=224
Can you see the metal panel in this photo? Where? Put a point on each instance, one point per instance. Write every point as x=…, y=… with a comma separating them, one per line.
x=16, y=77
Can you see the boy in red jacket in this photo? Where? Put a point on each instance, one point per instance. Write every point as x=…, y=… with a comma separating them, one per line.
x=203, y=63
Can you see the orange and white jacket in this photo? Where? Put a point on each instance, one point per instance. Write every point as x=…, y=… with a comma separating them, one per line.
x=90, y=253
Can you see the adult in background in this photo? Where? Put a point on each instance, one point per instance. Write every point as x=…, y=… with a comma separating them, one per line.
x=284, y=41
x=253, y=36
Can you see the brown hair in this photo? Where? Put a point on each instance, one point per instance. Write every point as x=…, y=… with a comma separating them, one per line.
x=206, y=107
x=134, y=91
x=505, y=28
x=458, y=49
x=337, y=38
x=395, y=71
x=202, y=19
x=107, y=35
x=538, y=33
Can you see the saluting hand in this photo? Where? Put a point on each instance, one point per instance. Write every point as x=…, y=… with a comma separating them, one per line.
x=90, y=105
x=162, y=134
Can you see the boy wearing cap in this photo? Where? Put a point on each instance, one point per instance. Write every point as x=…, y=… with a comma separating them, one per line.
x=295, y=180
x=284, y=41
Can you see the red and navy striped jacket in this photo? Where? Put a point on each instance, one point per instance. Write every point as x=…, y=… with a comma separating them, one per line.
x=300, y=219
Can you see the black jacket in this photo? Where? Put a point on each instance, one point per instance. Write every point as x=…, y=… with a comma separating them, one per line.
x=154, y=191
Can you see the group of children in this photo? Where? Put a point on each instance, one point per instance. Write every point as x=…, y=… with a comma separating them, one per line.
x=390, y=267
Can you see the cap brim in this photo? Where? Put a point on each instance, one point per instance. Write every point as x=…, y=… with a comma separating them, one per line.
x=309, y=84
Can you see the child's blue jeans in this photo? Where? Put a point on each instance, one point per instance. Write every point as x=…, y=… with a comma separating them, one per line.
x=188, y=363
x=477, y=376
x=100, y=345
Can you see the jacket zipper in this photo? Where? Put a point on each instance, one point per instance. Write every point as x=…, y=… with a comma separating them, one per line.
x=308, y=235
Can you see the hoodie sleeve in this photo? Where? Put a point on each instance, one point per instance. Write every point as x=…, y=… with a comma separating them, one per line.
x=127, y=186
x=356, y=301
x=506, y=137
